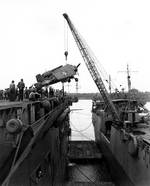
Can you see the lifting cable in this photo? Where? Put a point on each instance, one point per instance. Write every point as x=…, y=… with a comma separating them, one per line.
x=65, y=40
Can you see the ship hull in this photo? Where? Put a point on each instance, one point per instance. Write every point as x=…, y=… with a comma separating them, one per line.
x=41, y=156
x=125, y=169
x=118, y=175
x=45, y=165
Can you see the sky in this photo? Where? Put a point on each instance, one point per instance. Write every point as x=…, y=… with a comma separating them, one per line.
x=32, y=40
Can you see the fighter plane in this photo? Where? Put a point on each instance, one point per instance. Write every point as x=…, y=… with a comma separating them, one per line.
x=60, y=74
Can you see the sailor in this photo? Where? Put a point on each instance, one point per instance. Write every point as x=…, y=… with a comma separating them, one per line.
x=21, y=86
x=46, y=92
x=12, y=91
x=34, y=95
x=26, y=92
x=6, y=94
x=51, y=92
x=1, y=94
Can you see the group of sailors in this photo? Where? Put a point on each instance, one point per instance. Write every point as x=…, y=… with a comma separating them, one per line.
x=16, y=92
x=20, y=92
x=13, y=92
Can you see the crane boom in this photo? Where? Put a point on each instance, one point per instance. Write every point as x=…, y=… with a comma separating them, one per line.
x=90, y=63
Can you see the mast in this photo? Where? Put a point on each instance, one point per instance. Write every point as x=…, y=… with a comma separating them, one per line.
x=128, y=78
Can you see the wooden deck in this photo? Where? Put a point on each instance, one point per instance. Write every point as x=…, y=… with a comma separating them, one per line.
x=11, y=104
x=87, y=166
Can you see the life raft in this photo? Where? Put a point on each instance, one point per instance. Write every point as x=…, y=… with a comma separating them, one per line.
x=46, y=105
x=14, y=126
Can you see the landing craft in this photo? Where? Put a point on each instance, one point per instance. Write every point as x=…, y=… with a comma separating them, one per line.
x=60, y=74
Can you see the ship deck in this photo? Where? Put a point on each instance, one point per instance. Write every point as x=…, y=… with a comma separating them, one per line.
x=84, y=150
x=4, y=104
x=87, y=166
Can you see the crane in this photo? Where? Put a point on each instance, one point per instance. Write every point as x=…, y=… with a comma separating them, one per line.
x=89, y=60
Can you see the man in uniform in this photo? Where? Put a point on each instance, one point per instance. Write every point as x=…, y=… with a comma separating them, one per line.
x=12, y=91
x=21, y=86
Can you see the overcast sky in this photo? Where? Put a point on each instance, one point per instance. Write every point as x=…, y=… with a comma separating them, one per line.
x=32, y=39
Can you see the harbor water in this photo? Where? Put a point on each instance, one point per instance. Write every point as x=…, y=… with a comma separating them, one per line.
x=81, y=120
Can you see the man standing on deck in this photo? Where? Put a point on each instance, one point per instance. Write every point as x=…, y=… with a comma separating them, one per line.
x=12, y=91
x=21, y=86
x=26, y=93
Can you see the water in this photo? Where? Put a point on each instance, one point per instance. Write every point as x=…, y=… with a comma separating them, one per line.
x=81, y=120
x=147, y=105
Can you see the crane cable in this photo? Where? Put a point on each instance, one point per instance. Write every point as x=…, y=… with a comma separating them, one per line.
x=65, y=40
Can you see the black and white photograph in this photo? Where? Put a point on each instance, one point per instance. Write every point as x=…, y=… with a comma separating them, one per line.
x=75, y=93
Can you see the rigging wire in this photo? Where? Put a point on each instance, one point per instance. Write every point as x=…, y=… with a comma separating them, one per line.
x=77, y=167
x=82, y=130
x=99, y=66
x=65, y=40
x=97, y=173
x=83, y=135
x=75, y=109
x=102, y=71
x=82, y=172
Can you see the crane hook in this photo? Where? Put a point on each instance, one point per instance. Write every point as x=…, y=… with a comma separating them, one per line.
x=66, y=54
